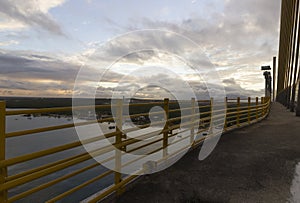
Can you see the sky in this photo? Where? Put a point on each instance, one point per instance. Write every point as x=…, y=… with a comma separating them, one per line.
x=49, y=47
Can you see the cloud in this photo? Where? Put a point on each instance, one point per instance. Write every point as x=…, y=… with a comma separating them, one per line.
x=33, y=13
x=41, y=74
x=35, y=66
x=8, y=43
x=237, y=39
x=240, y=38
x=230, y=81
x=34, y=74
x=242, y=26
x=234, y=89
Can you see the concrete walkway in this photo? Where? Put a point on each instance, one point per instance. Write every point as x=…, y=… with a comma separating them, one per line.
x=252, y=164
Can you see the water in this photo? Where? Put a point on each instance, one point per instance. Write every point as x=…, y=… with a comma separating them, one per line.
x=26, y=144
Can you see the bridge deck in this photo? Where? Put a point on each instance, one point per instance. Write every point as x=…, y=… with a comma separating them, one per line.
x=252, y=164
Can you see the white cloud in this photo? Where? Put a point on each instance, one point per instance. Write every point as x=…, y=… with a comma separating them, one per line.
x=7, y=43
x=10, y=24
x=240, y=38
x=45, y=6
x=29, y=13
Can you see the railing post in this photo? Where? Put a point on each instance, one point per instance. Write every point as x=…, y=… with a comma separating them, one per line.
x=265, y=107
x=249, y=110
x=274, y=77
x=3, y=175
x=268, y=106
x=118, y=152
x=238, y=111
x=166, y=131
x=193, y=101
x=226, y=106
x=256, y=104
x=262, y=107
x=211, y=115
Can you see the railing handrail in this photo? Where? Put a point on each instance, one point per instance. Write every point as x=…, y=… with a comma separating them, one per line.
x=237, y=114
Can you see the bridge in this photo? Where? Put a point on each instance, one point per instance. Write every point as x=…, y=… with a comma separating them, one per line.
x=255, y=160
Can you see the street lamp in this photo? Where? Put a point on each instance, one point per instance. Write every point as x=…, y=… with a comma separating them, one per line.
x=268, y=80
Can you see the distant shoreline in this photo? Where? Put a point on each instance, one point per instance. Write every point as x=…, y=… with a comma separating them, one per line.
x=49, y=102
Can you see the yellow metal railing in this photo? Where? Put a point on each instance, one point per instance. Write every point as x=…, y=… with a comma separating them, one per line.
x=239, y=112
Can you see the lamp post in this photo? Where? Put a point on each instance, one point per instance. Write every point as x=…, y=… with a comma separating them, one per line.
x=268, y=80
